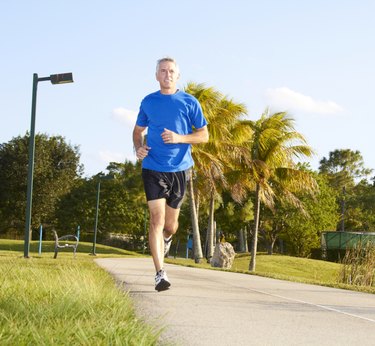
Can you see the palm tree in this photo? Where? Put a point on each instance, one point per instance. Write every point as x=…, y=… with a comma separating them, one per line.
x=208, y=98
x=214, y=158
x=197, y=248
x=271, y=171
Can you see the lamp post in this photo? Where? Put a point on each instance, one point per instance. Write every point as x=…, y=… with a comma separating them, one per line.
x=96, y=219
x=343, y=209
x=100, y=177
x=55, y=79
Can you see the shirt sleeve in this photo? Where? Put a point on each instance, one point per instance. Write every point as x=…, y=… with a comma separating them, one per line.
x=142, y=119
x=199, y=120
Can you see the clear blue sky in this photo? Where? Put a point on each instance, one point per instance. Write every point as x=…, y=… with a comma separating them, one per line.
x=313, y=58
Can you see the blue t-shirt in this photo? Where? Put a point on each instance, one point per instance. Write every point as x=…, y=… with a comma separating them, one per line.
x=179, y=112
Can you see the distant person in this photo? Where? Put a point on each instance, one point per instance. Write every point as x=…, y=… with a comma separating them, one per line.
x=174, y=120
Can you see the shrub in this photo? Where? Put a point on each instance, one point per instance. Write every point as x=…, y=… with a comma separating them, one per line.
x=358, y=265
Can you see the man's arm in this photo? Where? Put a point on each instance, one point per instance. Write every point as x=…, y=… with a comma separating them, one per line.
x=141, y=150
x=198, y=136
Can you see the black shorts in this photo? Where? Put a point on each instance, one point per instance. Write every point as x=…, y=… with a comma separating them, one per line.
x=168, y=185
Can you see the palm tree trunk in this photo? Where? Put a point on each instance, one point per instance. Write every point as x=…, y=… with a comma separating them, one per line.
x=254, y=244
x=197, y=202
x=198, y=255
x=241, y=241
x=211, y=228
x=246, y=249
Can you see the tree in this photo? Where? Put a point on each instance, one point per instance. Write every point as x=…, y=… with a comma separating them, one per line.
x=197, y=247
x=232, y=217
x=214, y=158
x=272, y=148
x=344, y=168
x=121, y=207
x=302, y=231
x=129, y=173
x=360, y=207
x=56, y=170
x=208, y=99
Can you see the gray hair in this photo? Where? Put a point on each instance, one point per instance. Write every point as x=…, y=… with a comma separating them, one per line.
x=166, y=59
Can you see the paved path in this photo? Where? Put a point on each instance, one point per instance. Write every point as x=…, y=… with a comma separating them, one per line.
x=207, y=307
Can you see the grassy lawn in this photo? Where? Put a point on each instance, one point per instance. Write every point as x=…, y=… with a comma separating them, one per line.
x=65, y=301
x=285, y=268
x=291, y=268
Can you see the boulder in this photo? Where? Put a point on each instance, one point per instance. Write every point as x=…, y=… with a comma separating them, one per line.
x=223, y=256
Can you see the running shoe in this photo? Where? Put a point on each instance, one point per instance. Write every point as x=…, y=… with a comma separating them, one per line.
x=161, y=281
x=167, y=245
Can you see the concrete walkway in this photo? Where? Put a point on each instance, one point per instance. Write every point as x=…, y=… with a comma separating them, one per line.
x=207, y=307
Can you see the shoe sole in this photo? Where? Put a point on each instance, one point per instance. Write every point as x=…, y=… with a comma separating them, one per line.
x=162, y=286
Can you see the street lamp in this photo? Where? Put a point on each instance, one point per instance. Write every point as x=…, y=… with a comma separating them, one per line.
x=96, y=219
x=100, y=177
x=55, y=79
x=343, y=209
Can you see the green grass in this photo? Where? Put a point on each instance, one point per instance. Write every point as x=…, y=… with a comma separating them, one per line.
x=17, y=246
x=65, y=301
x=286, y=268
x=291, y=268
x=71, y=301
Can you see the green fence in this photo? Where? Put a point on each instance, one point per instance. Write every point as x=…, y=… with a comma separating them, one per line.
x=335, y=242
x=344, y=240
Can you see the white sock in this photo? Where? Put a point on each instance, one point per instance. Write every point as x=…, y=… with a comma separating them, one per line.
x=168, y=239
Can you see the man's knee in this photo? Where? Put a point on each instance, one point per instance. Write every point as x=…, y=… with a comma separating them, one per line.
x=171, y=220
x=156, y=221
x=171, y=227
x=157, y=214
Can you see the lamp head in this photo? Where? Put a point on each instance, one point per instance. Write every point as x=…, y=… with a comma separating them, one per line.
x=61, y=78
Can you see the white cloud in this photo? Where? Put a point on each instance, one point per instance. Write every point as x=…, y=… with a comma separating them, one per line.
x=128, y=118
x=108, y=156
x=290, y=100
x=124, y=116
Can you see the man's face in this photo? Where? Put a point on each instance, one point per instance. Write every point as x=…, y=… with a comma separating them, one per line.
x=167, y=75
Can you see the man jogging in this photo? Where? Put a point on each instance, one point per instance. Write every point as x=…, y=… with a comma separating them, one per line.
x=174, y=120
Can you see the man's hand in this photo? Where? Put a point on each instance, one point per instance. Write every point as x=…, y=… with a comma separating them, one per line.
x=198, y=136
x=142, y=152
x=170, y=137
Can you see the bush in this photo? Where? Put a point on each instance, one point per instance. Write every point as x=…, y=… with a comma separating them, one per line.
x=359, y=265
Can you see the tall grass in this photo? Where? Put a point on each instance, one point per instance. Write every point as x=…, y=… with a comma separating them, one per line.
x=358, y=266
x=65, y=302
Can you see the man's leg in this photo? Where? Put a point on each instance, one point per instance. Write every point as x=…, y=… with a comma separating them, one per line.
x=163, y=224
x=171, y=221
x=158, y=215
x=163, y=217
x=170, y=226
x=156, y=240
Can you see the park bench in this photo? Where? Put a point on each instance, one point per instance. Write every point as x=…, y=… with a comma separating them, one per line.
x=66, y=241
